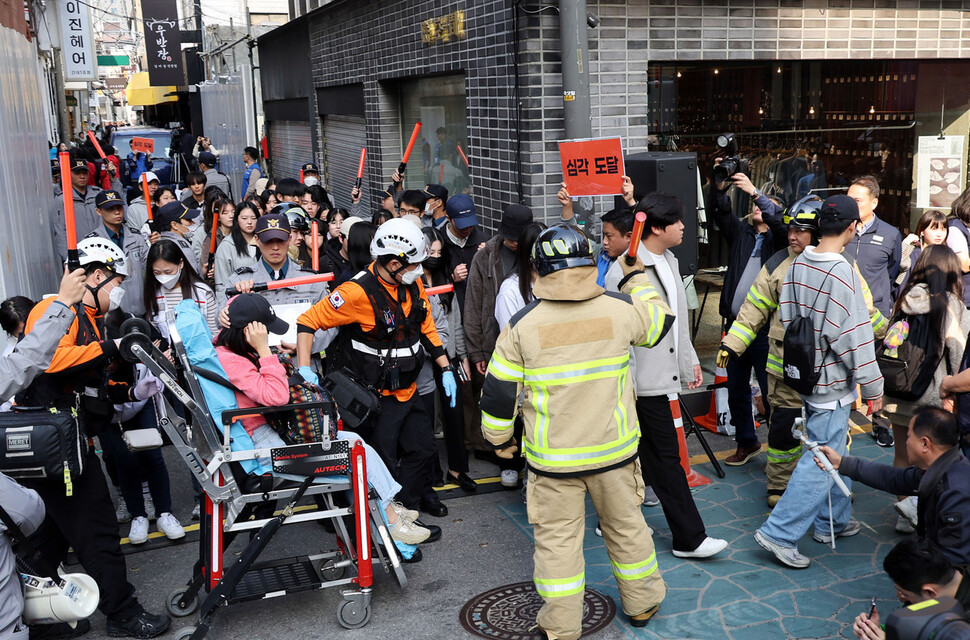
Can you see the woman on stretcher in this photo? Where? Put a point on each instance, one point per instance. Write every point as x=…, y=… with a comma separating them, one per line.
x=243, y=350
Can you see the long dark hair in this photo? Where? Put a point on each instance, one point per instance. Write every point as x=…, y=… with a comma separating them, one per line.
x=523, y=259
x=214, y=201
x=238, y=239
x=319, y=195
x=960, y=208
x=234, y=339
x=441, y=275
x=169, y=252
x=358, y=245
x=380, y=217
x=939, y=269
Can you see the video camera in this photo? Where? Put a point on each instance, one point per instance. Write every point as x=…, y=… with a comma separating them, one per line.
x=941, y=619
x=731, y=164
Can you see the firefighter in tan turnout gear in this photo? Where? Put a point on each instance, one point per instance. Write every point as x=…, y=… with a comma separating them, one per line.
x=570, y=351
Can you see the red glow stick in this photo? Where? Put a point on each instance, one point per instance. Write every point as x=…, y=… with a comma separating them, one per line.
x=445, y=288
x=73, y=260
x=461, y=152
x=638, y=224
x=148, y=199
x=97, y=145
x=360, y=168
x=215, y=232
x=414, y=138
x=315, y=246
x=283, y=284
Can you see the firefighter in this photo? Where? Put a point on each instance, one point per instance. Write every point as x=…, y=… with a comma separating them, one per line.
x=570, y=350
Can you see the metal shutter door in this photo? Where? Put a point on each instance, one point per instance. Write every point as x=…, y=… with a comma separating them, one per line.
x=343, y=138
x=290, y=147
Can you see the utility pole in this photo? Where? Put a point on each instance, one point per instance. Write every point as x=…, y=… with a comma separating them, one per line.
x=63, y=126
x=575, y=81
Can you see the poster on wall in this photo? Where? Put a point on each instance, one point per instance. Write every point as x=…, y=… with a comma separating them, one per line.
x=163, y=43
x=941, y=173
x=77, y=42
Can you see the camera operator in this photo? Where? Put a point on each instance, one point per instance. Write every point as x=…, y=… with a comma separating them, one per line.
x=752, y=240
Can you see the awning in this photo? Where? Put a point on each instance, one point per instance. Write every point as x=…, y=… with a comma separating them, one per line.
x=140, y=93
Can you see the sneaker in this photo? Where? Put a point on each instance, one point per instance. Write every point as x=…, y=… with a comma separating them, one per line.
x=510, y=478
x=907, y=509
x=773, y=499
x=903, y=525
x=121, y=513
x=149, y=504
x=139, y=531
x=143, y=625
x=59, y=631
x=742, y=455
x=404, y=512
x=882, y=436
x=170, y=526
x=706, y=549
x=404, y=530
x=650, y=498
x=196, y=511
x=850, y=530
x=786, y=556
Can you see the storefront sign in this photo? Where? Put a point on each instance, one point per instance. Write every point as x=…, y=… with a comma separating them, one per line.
x=143, y=145
x=592, y=167
x=163, y=43
x=443, y=29
x=77, y=42
x=941, y=171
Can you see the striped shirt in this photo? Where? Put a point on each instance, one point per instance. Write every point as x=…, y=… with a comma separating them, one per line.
x=170, y=298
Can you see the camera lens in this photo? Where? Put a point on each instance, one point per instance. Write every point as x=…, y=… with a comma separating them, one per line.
x=727, y=168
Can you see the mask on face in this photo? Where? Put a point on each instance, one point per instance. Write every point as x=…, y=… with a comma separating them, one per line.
x=115, y=297
x=410, y=277
x=190, y=232
x=169, y=280
x=432, y=263
x=310, y=181
x=428, y=209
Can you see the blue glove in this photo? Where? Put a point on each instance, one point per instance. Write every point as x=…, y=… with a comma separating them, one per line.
x=450, y=386
x=308, y=375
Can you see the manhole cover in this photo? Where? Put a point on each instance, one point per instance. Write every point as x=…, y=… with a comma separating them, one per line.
x=509, y=612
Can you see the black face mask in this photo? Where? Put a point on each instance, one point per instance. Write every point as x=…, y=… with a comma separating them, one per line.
x=432, y=264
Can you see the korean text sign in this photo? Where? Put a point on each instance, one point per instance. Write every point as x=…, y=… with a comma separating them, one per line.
x=163, y=43
x=592, y=167
x=143, y=145
x=77, y=41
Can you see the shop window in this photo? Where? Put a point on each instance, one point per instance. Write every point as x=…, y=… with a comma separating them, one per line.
x=440, y=155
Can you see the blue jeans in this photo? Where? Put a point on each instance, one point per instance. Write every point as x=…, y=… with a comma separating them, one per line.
x=739, y=388
x=806, y=499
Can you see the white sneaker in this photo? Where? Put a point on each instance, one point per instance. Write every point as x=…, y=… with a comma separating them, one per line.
x=706, y=549
x=139, y=531
x=404, y=530
x=404, y=512
x=907, y=508
x=149, y=504
x=650, y=498
x=510, y=478
x=196, y=511
x=903, y=525
x=121, y=513
x=786, y=556
x=170, y=526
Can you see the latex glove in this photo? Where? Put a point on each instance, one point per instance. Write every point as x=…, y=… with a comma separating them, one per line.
x=723, y=355
x=147, y=387
x=309, y=375
x=450, y=386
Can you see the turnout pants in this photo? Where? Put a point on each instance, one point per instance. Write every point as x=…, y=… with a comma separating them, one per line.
x=557, y=511
x=404, y=438
x=784, y=450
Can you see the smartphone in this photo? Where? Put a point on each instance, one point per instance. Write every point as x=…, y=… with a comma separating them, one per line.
x=872, y=607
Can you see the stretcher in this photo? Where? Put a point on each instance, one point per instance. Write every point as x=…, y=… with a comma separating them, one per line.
x=213, y=446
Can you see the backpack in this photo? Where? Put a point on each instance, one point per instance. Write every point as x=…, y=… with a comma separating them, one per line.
x=908, y=357
x=799, y=368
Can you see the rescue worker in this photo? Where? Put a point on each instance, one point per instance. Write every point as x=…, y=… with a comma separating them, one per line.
x=80, y=514
x=570, y=350
x=113, y=227
x=386, y=333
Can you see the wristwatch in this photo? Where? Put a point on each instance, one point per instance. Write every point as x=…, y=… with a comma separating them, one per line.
x=447, y=367
x=757, y=193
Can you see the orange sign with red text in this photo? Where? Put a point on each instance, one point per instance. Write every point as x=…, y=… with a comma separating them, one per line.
x=592, y=167
x=143, y=145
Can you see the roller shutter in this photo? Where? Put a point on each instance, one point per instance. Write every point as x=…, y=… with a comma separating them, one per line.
x=290, y=146
x=343, y=138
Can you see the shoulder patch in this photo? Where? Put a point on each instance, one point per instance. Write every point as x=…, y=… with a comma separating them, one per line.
x=242, y=270
x=336, y=300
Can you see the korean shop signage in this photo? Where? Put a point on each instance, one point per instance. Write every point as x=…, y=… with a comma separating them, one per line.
x=77, y=42
x=163, y=43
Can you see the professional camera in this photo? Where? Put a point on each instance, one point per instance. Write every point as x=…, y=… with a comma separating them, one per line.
x=940, y=619
x=731, y=162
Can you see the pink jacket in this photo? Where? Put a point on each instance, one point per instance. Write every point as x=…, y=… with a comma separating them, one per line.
x=266, y=386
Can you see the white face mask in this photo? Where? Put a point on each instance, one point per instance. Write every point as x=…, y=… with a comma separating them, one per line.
x=410, y=277
x=190, y=232
x=428, y=209
x=310, y=181
x=169, y=280
x=115, y=297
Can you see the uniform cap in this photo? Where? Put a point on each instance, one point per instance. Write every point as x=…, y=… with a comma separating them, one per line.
x=107, y=199
x=273, y=226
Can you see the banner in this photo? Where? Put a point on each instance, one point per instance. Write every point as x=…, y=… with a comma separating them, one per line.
x=143, y=145
x=163, y=43
x=592, y=167
x=77, y=42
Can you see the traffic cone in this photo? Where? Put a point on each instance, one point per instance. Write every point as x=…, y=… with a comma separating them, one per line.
x=709, y=421
x=694, y=479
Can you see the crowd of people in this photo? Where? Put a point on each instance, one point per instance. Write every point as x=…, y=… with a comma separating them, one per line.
x=503, y=366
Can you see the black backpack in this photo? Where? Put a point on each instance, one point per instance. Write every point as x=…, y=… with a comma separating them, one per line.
x=909, y=367
x=800, y=371
x=962, y=403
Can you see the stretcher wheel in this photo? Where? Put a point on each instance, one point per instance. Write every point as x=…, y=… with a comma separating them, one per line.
x=184, y=633
x=351, y=615
x=172, y=604
x=330, y=572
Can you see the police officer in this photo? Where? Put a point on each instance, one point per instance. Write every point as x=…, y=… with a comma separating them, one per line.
x=80, y=513
x=178, y=223
x=311, y=174
x=570, y=349
x=111, y=210
x=85, y=214
x=386, y=329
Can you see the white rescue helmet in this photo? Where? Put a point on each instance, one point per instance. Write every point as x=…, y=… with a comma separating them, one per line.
x=102, y=251
x=401, y=240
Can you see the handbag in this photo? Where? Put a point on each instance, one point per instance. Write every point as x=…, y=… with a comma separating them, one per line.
x=39, y=442
x=142, y=439
x=359, y=405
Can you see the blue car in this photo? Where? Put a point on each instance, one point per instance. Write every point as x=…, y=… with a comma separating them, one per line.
x=134, y=164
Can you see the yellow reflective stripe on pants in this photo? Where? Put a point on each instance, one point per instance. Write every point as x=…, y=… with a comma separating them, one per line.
x=617, y=450
x=560, y=587
x=774, y=364
x=496, y=424
x=778, y=455
x=635, y=571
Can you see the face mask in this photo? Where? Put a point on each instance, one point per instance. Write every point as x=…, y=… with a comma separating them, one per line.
x=432, y=263
x=428, y=209
x=410, y=277
x=115, y=297
x=190, y=232
x=310, y=181
x=169, y=280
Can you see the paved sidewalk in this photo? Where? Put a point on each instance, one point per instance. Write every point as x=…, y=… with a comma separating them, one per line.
x=744, y=593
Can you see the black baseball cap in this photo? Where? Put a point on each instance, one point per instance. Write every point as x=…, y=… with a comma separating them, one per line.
x=252, y=307
x=79, y=164
x=174, y=212
x=841, y=207
x=514, y=219
x=310, y=167
x=436, y=191
x=207, y=158
x=107, y=199
x=272, y=226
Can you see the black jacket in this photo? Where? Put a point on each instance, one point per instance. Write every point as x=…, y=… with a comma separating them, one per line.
x=740, y=236
x=455, y=255
x=878, y=252
x=944, y=497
